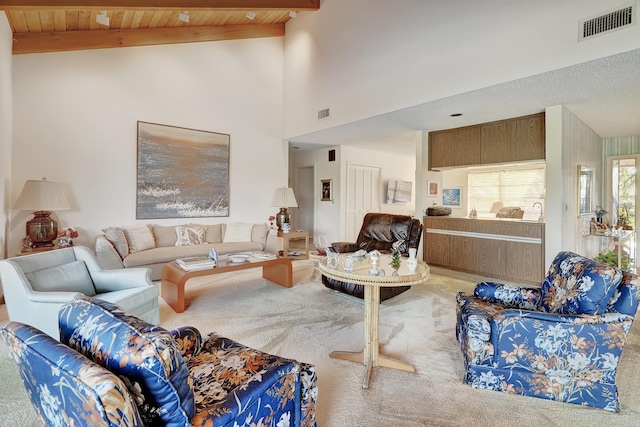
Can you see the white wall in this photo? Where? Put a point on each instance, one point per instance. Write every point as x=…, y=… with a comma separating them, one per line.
x=362, y=58
x=76, y=114
x=6, y=118
x=330, y=217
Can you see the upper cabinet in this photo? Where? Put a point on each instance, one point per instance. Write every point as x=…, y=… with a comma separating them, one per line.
x=513, y=140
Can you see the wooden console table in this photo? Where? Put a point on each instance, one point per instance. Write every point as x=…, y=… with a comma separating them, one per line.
x=277, y=270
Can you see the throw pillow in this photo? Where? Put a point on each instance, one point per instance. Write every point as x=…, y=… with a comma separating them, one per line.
x=145, y=356
x=259, y=233
x=578, y=285
x=237, y=232
x=117, y=238
x=188, y=236
x=165, y=235
x=139, y=238
x=212, y=232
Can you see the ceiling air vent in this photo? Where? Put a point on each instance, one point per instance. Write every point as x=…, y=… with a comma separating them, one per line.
x=607, y=22
x=323, y=114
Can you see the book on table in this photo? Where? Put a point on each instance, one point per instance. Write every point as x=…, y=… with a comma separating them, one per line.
x=196, y=263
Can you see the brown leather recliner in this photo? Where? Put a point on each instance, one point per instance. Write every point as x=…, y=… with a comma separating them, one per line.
x=379, y=231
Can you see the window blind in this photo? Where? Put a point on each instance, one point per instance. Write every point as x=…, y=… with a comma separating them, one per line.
x=512, y=187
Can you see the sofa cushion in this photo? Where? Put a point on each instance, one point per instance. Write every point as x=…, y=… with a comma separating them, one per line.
x=237, y=232
x=139, y=238
x=578, y=285
x=212, y=232
x=117, y=238
x=189, y=235
x=164, y=235
x=146, y=355
x=71, y=277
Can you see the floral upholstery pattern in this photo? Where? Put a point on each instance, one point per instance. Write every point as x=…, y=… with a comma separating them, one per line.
x=178, y=378
x=511, y=343
x=56, y=377
x=145, y=356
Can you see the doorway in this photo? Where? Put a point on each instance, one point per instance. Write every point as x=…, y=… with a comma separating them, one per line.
x=306, y=200
x=363, y=196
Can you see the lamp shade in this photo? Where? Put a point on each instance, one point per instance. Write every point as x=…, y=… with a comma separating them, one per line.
x=284, y=198
x=42, y=195
x=495, y=207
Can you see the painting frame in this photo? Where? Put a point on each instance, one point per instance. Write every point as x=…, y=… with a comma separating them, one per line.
x=326, y=190
x=585, y=177
x=181, y=172
x=452, y=196
x=433, y=188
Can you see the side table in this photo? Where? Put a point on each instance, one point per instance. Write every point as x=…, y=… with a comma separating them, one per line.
x=294, y=235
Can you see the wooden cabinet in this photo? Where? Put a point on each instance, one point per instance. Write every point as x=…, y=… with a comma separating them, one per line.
x=512, y=140
x=456, y=147
x=507, y=249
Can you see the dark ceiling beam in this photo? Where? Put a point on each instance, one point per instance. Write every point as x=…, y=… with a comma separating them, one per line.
x=160, y=4
x=82, y=40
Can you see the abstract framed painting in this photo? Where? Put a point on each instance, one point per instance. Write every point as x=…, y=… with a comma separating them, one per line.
x=182, y=173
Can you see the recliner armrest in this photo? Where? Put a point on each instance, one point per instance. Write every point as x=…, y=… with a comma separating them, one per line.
x=509, y=296
x=343, y=247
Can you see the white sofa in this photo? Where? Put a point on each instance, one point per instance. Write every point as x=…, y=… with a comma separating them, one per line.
x=152, y=246
x=37, y=285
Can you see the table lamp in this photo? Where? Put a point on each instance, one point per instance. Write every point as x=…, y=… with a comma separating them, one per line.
x=283, y=198
x=42, y=197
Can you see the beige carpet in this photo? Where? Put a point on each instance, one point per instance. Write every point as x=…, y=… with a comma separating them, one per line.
x=308, y=321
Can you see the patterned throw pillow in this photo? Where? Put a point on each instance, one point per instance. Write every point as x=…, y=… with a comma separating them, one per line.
x=188, y=235
x=145, y=356
x=139, y=238
x=578, y=285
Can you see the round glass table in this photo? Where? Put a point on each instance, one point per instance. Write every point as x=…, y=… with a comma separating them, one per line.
x=364, y=273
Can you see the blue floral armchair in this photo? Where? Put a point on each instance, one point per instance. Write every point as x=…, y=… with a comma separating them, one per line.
x=112, y=369
x=561, y=341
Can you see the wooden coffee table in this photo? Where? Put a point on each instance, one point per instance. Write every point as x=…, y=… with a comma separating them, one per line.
x=277, y=270
x=371, y=356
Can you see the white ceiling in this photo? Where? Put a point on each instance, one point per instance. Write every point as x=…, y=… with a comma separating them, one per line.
x=604, y=93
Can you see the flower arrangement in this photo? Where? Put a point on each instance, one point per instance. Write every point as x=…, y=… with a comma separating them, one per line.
x=65, y=235
x=272, y=223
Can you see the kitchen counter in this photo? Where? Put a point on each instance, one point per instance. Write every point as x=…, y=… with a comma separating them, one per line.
x=505, y=248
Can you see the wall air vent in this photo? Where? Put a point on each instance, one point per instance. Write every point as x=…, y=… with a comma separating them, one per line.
x=323, y=114
x=607, y=22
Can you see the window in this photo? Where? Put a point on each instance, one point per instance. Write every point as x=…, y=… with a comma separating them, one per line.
x=520, y=187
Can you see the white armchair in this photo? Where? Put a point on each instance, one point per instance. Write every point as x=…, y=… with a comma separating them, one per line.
x=37, y=285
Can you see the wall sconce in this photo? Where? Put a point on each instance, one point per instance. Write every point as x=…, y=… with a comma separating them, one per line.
x=42, y=197
x=284, y=198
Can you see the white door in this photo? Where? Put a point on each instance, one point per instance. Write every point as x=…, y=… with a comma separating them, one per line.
x=305, y=199
x=363, y=196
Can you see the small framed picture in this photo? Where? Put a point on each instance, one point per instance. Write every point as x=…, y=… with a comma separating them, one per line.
x=327, y=190
x=432, y=188
x=452, y=196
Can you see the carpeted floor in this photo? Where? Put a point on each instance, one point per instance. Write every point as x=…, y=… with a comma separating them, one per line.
x=308, y=321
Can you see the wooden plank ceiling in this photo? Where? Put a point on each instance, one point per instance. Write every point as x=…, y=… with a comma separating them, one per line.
x=62, y=25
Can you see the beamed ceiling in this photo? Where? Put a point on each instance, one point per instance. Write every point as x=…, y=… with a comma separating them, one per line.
x=54, y=25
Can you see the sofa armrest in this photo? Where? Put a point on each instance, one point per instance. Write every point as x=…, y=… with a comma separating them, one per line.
x=107, y=254
x=271, y=241
x=508, y=296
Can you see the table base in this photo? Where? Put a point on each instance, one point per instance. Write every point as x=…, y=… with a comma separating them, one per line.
x=383, y=361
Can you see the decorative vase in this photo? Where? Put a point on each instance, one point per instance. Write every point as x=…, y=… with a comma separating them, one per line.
x=412, y=262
